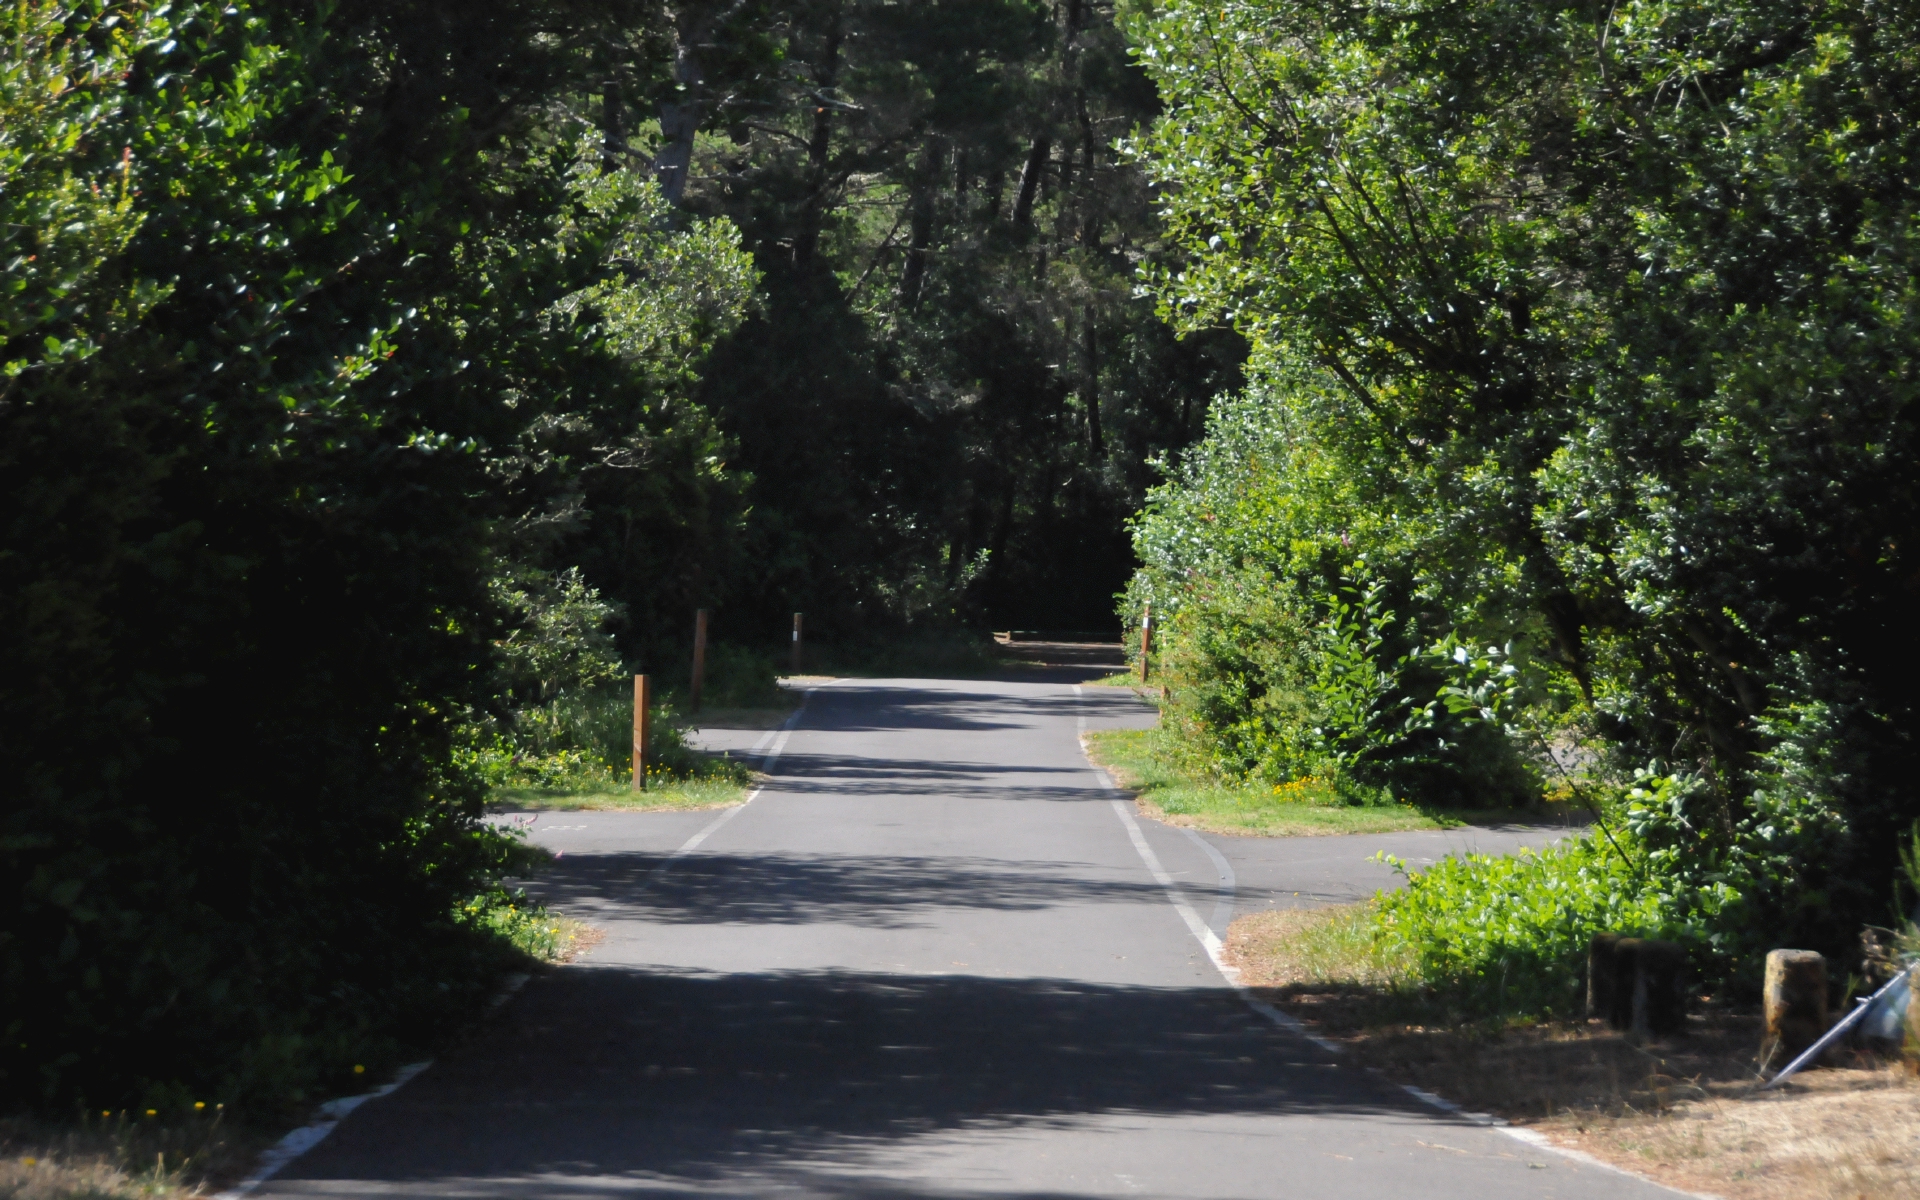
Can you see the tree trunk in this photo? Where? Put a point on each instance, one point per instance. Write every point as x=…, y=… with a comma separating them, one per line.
x=1090, y=393
x=819, y=148
x=613, y=145
x=680, y=120
x=1036, y=166
x=922, y=232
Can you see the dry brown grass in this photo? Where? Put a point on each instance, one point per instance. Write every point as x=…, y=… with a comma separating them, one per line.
x=121, y=1156
x=1684, y=1110
x=1848, y=1134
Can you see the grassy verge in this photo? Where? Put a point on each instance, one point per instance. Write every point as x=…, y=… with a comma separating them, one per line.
x=123, y=1155
x=607, y=795
x=1684, y=1110
x=678, y=775
x=1137, y=761
x=539, y=933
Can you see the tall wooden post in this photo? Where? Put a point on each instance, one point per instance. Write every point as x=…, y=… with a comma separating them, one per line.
x=699, y=658
x=795, y=668
x=1146, y=639
x=642, y=701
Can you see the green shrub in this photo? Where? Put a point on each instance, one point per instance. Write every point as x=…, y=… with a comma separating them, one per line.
x=739, y=677
x=1501, y=935
x=585, y=744
x=1316, y=675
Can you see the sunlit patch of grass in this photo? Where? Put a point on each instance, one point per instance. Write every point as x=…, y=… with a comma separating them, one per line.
x=534, y=930
x=1138, y=760
x=663, y=794
x=1332, y=945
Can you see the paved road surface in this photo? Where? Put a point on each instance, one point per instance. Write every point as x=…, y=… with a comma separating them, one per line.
x=926, y=961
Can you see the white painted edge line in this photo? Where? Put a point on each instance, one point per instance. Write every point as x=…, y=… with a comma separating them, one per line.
x=1542, y=1142
x=1231, y=974
x=712, y=827
x=1229, y=882
x=312, y=1134
x=1207, y=938
x=1447, y=1106
x=1538, y=1140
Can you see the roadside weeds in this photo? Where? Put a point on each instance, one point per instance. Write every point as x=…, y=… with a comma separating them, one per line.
x=123, y=1156
x=680, y=795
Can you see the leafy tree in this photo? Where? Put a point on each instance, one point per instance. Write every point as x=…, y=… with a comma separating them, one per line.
x=308, y=321
x=950, y=381
x=1605, y=311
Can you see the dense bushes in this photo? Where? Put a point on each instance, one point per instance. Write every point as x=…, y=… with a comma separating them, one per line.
x=308, y=325
x=1588, y=331
x=1289, y=655
x=1508, y=934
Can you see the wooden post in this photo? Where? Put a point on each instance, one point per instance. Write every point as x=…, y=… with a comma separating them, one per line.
x=795, y=668
x=1795, y=996
x=1659, y=1000
x=699, y=658
x=1146, y=639
x=642, y=701
x=1600, y=976
x=1626, y=961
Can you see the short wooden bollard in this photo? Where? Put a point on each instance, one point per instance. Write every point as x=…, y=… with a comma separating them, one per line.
x=1637, y=984
x=1600, y=976
x=699, y=659
x=1146, y=639
x=642, y=700
x=1626, y=961
x=1659, y=1002
x=1795, y=996
x=794, y=667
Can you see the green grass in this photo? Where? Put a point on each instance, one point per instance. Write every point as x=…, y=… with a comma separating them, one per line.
x=609, y=795
x=1138, y=761
x=538, y=932
x=1334, y=946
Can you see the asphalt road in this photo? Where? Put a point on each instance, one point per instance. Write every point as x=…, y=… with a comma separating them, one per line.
x=927, y=960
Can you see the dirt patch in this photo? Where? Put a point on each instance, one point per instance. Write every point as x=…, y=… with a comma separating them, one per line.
x=580, y=939
x=1685, y=1110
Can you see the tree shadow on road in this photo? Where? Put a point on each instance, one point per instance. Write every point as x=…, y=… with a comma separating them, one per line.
x=871, y=891
x=611, y=1077
x=816, y=773
x=883, y=706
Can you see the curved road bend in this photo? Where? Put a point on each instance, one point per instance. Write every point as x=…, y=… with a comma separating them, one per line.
x=927, y=961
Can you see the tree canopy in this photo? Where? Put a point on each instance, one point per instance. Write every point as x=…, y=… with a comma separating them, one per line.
x=1496, y=399
x=1588, y=332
